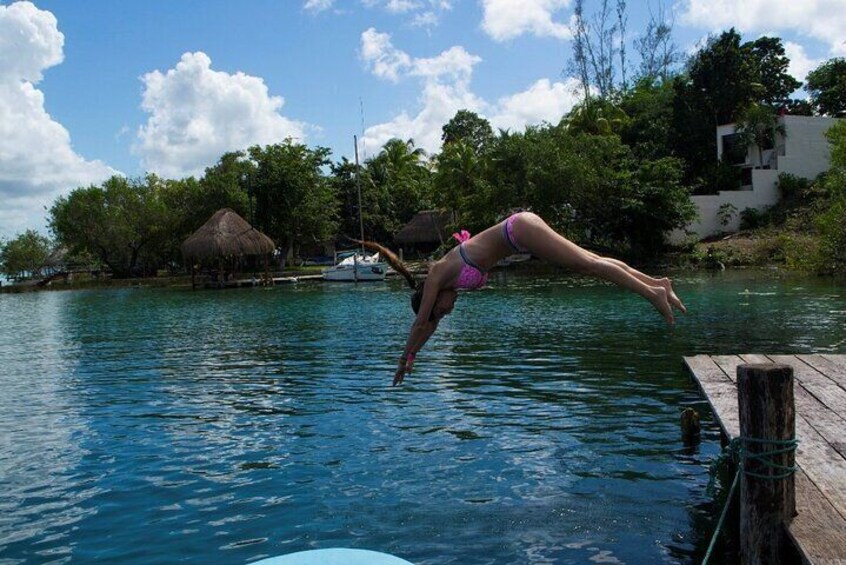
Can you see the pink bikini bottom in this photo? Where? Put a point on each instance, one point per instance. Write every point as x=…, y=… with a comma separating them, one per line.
x=508, y=234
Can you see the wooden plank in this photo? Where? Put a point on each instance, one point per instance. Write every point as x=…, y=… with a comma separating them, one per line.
x=728, y=363
x=824, y=364
x=719, y=391
x=755, y=358
x=823, y=465
x=839, y=360
x=815, y=529
x=818, y=384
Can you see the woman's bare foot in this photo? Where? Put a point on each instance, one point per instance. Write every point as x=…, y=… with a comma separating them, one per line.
x=660, y=299
x=671, y=295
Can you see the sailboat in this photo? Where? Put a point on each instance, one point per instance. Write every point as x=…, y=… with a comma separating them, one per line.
x=357, y=265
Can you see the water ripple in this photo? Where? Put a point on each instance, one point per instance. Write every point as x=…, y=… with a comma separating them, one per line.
x=540, y=425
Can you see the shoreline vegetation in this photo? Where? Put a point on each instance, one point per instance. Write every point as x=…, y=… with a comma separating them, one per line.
x=616, y=175
x=748, y=249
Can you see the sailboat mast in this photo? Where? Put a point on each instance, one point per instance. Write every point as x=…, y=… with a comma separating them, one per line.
x=358, y=188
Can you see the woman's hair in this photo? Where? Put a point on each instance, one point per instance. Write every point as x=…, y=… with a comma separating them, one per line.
x=399, y=266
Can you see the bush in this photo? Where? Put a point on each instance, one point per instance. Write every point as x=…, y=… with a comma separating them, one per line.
x=831, y=225
x=726, y=213
x=752, y=218
x=793, y=189
x=802, y=252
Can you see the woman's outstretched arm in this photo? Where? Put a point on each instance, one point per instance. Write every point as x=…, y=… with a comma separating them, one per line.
x=422, y=328
x=416, y=340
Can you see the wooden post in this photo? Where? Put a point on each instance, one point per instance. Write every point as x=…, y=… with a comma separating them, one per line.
x=765, y=399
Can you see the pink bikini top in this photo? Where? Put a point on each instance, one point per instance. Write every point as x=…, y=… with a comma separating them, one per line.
x=472, y=276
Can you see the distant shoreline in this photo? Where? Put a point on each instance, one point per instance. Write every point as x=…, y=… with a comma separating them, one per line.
x=418, y=268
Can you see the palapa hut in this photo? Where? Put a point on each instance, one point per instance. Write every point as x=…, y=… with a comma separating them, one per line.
x=225, y=237
x=426, y=231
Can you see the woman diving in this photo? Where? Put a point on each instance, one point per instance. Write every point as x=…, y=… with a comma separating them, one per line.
x=466, y=266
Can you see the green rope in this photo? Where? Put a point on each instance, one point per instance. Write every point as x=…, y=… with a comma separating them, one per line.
x=722, y=518
x=763, y=457
x=737, y=452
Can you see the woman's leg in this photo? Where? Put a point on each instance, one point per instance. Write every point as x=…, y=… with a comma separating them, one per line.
x=544, y=242
x=651, y=281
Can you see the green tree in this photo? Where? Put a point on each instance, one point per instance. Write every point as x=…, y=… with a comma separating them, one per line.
x=827, y=87
x=507, y=171
x=589, y=187
x=836, y=136
x=693, y=129
x=798, y=107
x=458, y=182
x=468, y=128
x=400, y=170
x=723, y=79
x=295, y=202
x=727, y=75
x=226, y=184
x=375, y=203
x=831, y=223
x=123, y=223
x=758, y=126
x=25, y=255
x=655, y=203
x=596, y=116
x=771, y=73
x=649, y=106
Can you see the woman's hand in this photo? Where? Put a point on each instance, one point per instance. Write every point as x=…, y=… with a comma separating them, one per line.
x=406, y=364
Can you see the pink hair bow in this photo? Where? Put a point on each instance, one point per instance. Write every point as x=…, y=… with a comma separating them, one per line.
x=461, y=236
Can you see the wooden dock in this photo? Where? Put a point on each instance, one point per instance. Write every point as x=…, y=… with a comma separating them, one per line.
x=819, y=529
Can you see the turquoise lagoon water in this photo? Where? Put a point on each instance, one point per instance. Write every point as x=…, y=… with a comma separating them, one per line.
x=540, y=425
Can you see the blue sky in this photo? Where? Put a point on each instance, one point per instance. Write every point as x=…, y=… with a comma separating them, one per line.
x=93, y=88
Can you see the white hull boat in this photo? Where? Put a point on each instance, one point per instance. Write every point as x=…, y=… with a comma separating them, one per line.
x=356, y=267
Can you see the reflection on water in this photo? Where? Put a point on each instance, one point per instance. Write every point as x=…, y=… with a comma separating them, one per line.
x=540, y=425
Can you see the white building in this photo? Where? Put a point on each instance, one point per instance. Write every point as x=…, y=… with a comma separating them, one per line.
x=803, y=151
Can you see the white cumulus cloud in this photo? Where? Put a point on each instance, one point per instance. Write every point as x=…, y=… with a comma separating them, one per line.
x=401, y=6
x=37, y=160
x=439, y=103
x=541, y=102
x=800, y=63
x=317, y=6
x=384, y=60
x=506, y=19
x=824, y=20
x=418, y=13
x=197, y=114
x=453, y=64
x=446, y=89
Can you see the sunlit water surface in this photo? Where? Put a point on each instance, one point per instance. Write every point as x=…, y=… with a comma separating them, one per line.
x=541, y=424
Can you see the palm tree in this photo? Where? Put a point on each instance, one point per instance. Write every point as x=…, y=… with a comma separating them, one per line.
x=401, y=168
x=596, y=117
x=758, y=126
x=458, y=175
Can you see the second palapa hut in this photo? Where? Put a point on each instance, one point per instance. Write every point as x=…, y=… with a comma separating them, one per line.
x=222, y=243
x=426, y=231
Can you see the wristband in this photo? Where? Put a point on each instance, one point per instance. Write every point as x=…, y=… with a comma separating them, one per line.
x=409, y=358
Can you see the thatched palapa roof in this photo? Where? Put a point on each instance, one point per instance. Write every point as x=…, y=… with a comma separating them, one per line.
x=226, y=234
x=430, y=226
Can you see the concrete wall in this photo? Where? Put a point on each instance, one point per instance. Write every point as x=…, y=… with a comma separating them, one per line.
x=806, y=150
x=765, y=194
x=803, y=152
